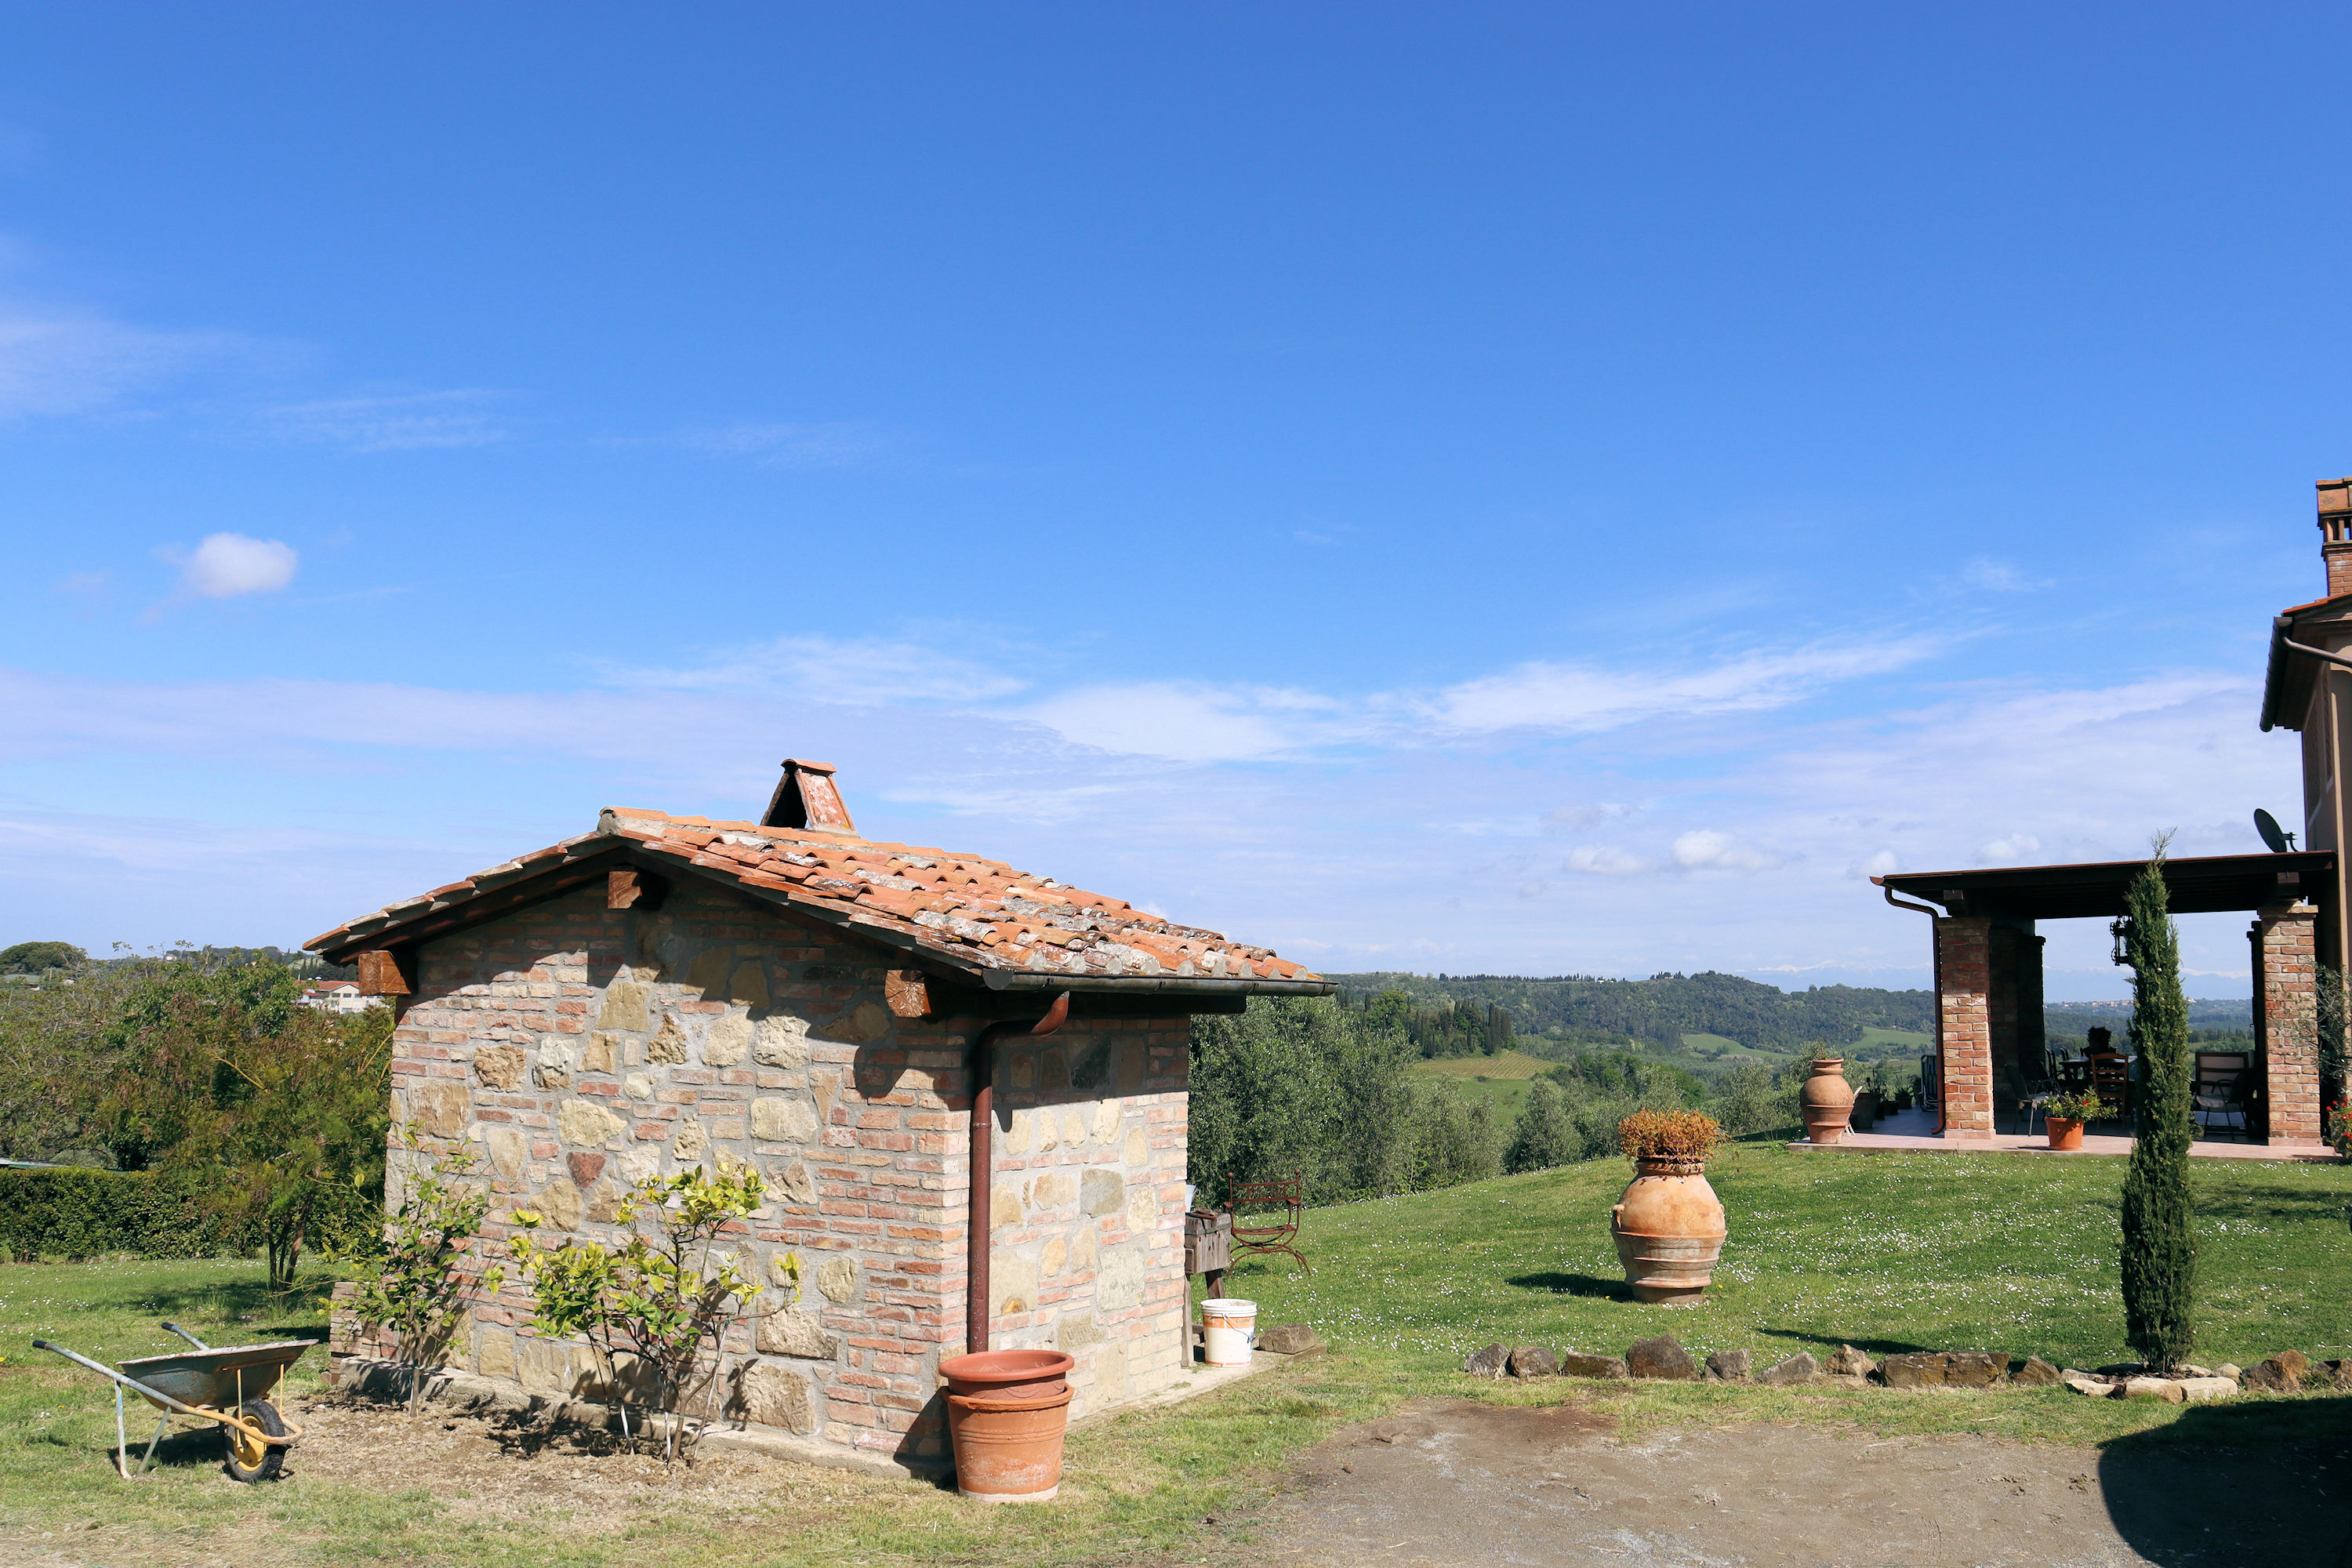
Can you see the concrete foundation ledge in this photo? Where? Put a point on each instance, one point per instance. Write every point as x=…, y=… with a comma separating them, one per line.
x=374, y=1378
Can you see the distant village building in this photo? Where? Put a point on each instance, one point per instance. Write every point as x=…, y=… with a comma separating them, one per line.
x=855, y=1019
x=337, y=996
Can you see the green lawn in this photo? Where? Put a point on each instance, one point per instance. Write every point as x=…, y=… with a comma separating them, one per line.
x=1910, y=1038
x=1886, y=1251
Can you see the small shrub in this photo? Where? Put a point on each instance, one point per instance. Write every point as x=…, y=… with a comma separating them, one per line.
x=663, y=1301
x=419, y=1289
x=1680, y=1135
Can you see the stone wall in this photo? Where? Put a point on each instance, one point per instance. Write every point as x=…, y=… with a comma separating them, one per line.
x=1087, y=1248
x=574, y=1049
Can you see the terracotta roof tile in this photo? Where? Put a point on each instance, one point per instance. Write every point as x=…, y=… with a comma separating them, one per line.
x=977, y=912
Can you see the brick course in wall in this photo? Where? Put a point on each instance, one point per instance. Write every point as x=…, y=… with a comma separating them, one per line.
x=573, y=1049
x=1964, y=968
x=2287, y=979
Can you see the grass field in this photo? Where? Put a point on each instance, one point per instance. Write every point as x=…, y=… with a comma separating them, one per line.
x=1911, y=1039
x=1885, y=1251
x=1501, y=1080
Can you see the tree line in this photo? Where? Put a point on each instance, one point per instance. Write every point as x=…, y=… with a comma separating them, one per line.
x=209, y=1072
x=1325, y=1089
x=1590, y=1009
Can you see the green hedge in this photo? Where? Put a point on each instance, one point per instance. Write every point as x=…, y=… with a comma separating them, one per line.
x=80, y=1213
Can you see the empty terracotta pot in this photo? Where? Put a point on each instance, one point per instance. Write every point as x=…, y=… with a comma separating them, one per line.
x=1669, y=1230
x=1827, y=1101
x=1007, y=1374
x=1008, y=1450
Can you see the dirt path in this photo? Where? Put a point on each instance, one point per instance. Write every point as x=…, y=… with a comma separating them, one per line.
x=1461, y=1482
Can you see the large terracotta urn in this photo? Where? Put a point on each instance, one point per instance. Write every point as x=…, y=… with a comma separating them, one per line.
x=1827, y=1101
x=1669, y=1229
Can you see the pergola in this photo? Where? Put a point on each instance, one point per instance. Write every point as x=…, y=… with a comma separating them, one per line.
x=1988, y=966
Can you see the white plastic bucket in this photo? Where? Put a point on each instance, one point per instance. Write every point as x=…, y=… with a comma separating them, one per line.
x=1230, y=1331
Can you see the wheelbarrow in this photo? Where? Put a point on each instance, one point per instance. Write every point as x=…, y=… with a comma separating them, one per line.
x=227, y=1386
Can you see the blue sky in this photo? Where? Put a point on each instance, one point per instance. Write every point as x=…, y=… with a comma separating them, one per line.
x=1536, y=489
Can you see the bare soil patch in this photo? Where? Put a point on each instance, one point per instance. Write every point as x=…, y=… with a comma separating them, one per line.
x=1457, y=1481
x=487, y=1467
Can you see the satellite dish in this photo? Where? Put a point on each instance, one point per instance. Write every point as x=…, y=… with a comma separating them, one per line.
x=2267, y=826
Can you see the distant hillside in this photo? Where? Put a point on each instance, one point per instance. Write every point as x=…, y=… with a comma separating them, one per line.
x=1658, y=1012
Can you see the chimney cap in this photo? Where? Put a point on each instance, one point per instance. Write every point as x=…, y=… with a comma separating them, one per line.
x=2335, y=495
x=806, y=798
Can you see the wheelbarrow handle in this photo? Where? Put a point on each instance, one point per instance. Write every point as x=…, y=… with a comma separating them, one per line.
x=183, y=1333
x=157, y=1394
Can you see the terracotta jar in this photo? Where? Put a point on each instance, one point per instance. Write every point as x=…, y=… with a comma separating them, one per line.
x=1827, y=1100
x=1669, y=1229
x=1008, y=1450
x=1007, y=1374
x=2064, y=1135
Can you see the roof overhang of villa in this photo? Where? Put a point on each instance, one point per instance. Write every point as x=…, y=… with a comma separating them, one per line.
x=2205, y=884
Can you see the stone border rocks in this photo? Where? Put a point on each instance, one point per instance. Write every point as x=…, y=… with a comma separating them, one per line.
x=1664, y=1359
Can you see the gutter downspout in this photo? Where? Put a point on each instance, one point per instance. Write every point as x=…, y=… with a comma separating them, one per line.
x=976, y=1314
x=1936, y=953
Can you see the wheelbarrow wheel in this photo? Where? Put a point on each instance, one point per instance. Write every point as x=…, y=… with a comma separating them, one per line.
x=250, y=1459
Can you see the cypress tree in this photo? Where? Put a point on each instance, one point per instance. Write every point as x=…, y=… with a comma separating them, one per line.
x=2159, y=1253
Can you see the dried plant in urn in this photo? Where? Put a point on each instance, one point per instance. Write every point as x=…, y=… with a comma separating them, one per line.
x=1669, y=1224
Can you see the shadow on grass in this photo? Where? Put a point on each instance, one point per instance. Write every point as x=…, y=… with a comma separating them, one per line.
x=1875, y=1347
x=183, y=1448
x=2253, y=1480
x=1574, y=1285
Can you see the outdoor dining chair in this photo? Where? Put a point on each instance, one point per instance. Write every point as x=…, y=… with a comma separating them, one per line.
x=2025, y=1094
x=2224, y=1089
x=2111, y=1081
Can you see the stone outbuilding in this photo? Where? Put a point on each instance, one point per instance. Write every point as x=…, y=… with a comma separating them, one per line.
x=859, y=1021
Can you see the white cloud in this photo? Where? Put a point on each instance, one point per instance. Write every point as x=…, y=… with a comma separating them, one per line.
x=1704, y=849
x=1183, y=720
x=404, y=423
x=1578, y=698
x=2013, y=846
x=864, y=671
x=2000, y=577
x=1885, y=863
x=57, y=363
x=835, y=445
x=1588, y=816
x=1605, y=860
x=228, y=564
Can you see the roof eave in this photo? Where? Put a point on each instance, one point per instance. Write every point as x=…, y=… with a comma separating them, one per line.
x=434, y=918
x=2275, y=672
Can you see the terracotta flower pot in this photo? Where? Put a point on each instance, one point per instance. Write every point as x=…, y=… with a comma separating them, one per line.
x=1669, y=1230
x=2064, y=1135
x=1007, y=1374
x=1008, y=1450
x=1827, y=1101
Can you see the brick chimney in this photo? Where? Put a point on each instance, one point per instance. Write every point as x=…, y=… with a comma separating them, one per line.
x=2335, y=533
x=806, y=796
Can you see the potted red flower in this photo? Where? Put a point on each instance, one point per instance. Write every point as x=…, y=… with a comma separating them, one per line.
x=2064, y=1114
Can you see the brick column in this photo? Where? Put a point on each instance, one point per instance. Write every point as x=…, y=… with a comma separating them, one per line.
x=1964, y=1011
x=2286, y=975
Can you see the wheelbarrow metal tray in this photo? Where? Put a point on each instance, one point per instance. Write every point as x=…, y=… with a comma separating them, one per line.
x=210, y=1377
